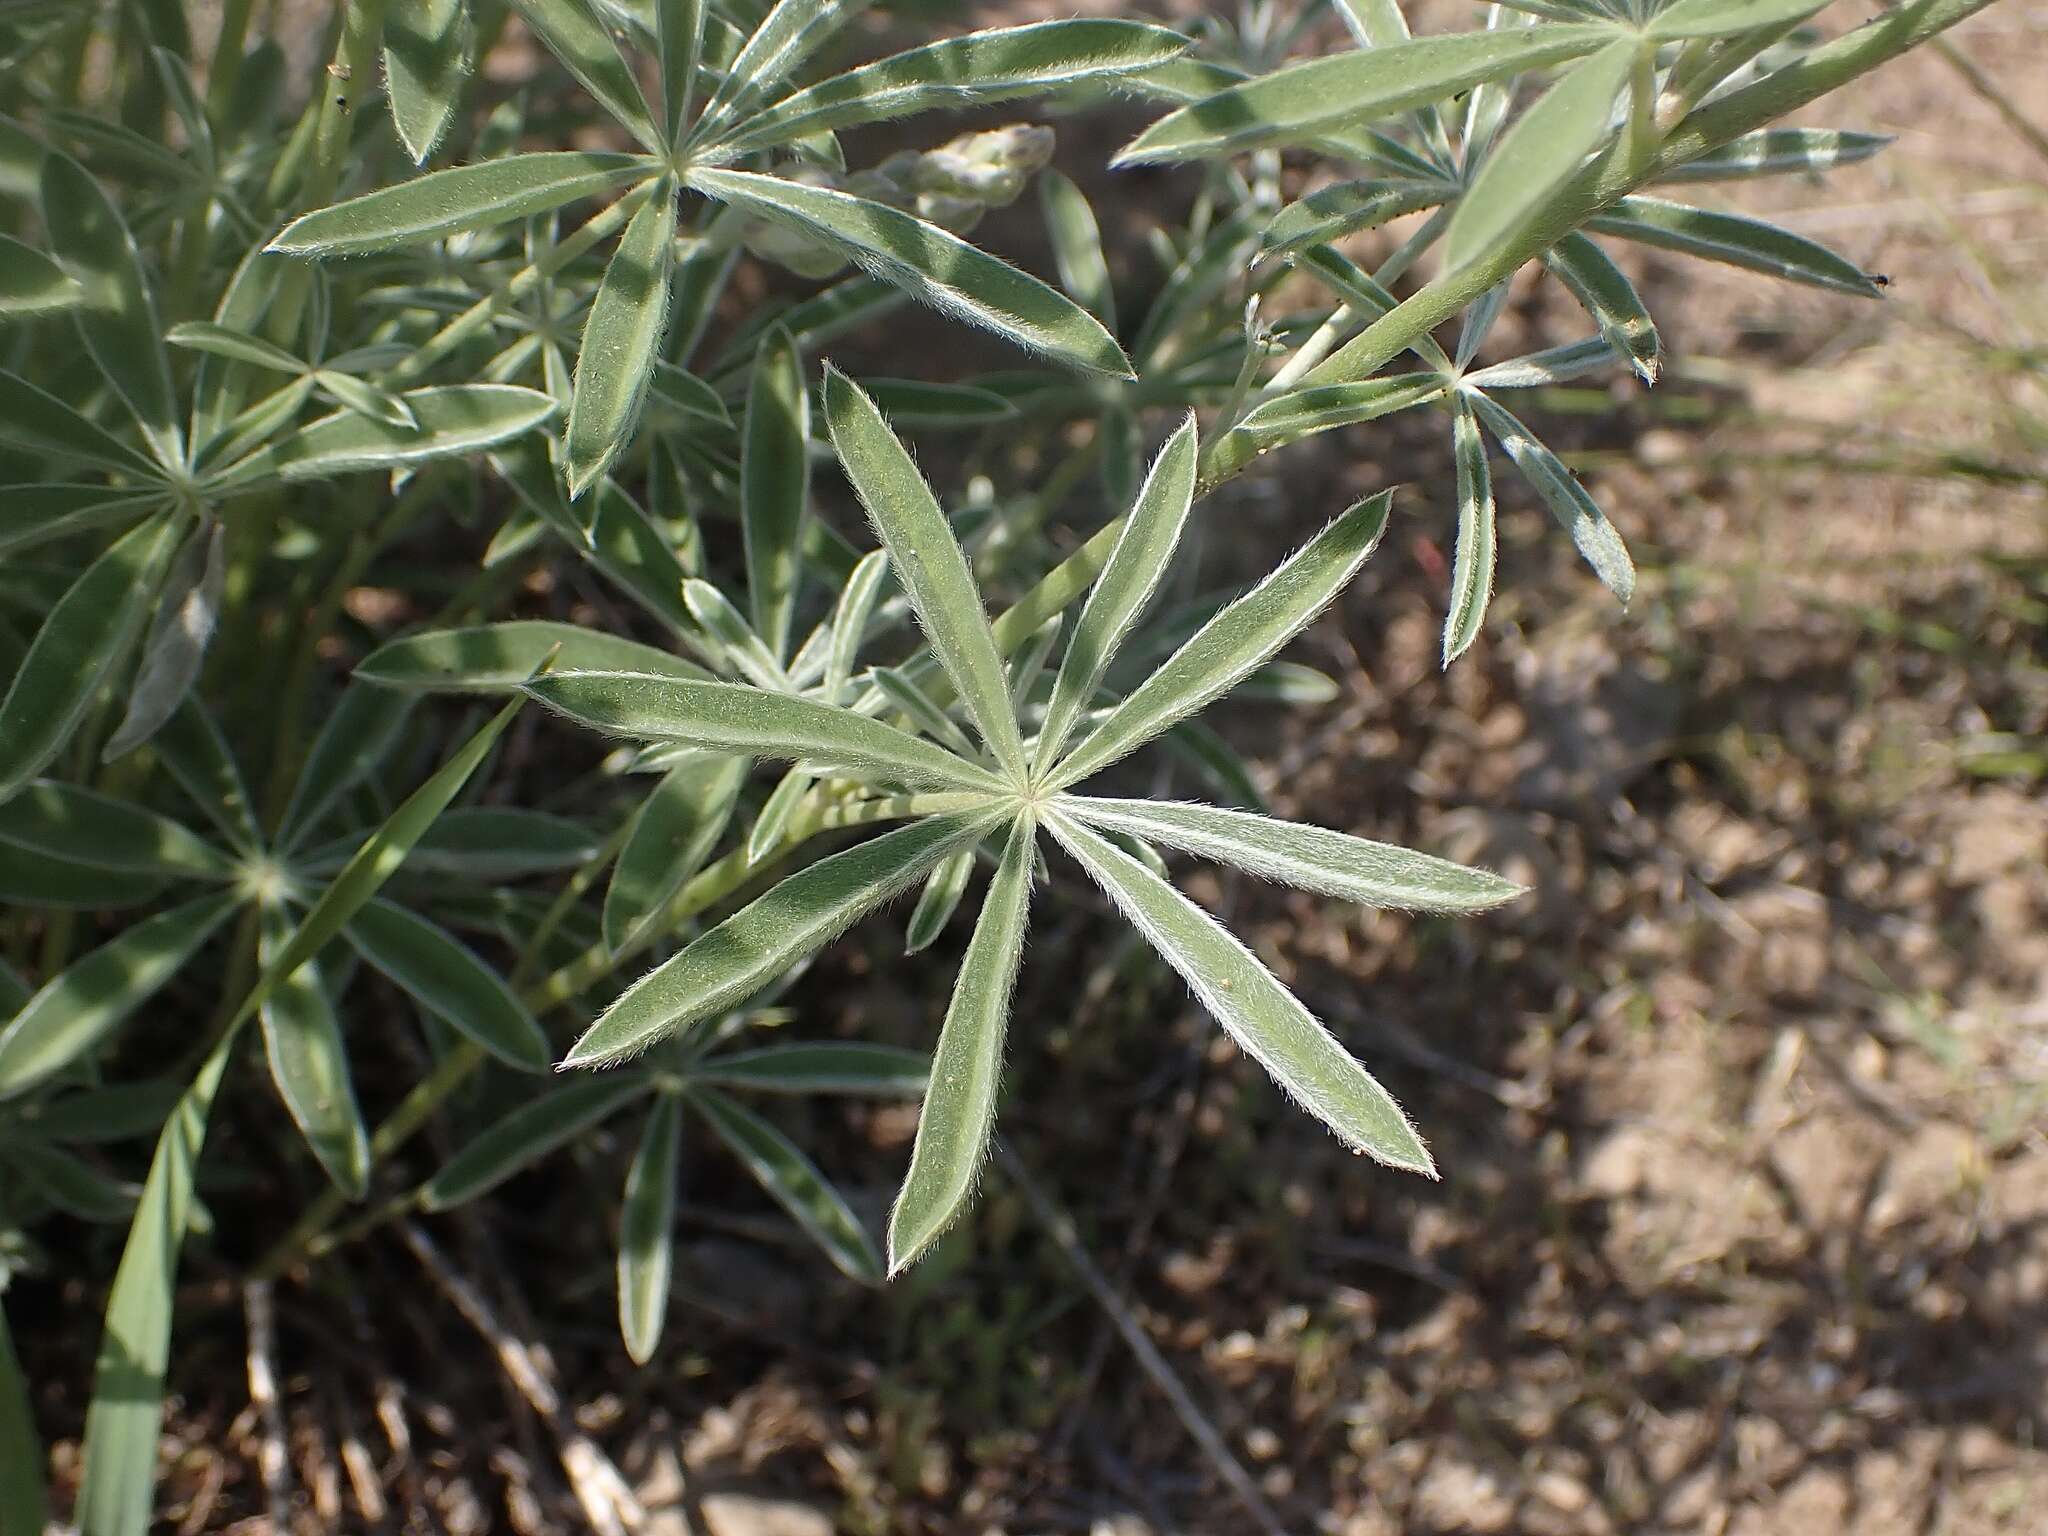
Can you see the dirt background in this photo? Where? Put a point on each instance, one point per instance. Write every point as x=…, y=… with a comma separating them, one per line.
x=1744, y=1219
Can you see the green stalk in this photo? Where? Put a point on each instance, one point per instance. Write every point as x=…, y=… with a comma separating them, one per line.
x=227, y=54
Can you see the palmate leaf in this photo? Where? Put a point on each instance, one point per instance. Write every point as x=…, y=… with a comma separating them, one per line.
x=621, y=340
x=1261, y=1015
x=928, y=263
x=1544, y=147
x=1233, y=644
x=928, y=562
x=1127, y=583
x=725, y=966
x=755, y=722
x=1298, y=103
x=450, y=202
x=966, y=1070
x=1000, y=64
x=122, y=1423
x=1308, y=858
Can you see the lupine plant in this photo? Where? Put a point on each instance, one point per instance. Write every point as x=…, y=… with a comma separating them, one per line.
x=477, y=337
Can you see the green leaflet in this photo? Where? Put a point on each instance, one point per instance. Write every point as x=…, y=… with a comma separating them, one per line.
x=22, y=1470
x=966, y=1071
x=33, y=284
x=491, y=843
x=729, y=717
x=445, y=975
x=647, y=1216
x=932, y=266
x=84, y=827
x=173, y=651
x=999, y=64
x=1734, y=239
x=449, y=202
x=38, y=514
x=529, y=1133
x=1077, y=246
x=628, y=319
x=835, y=1066
x=1726, y=18
x=117, y=317
x=673, y=833
x=928, y=563
x=795, y=1183
x=937, y=902
x=725, y=966
x=850, y=619
x=32, y=419
x=1472, y=563
x=1346, y=208
x=86, y=635
x=1120, y=594
x=1606, y=294
x=454, y=419
x=1306, y=857
x=309, y=1064
x=1779, y=152
x=679, y=47
x=495, y=658
x=775, y=480
x=426, y=60
x=1268, y=1023
x=790, y=32
x=76, y=1010
x=1234, y=643
x=575, y=34
x=1575, y=511
x=357, y=735
x=1301, y=101
x=1544, y=147
x=1289, y=418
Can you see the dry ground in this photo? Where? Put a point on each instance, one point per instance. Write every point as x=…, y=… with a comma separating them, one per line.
x=1744, y=1221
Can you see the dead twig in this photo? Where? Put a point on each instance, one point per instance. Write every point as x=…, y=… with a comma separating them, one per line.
x=260, y=1310
x=1060, y=1227
x=607, y=1502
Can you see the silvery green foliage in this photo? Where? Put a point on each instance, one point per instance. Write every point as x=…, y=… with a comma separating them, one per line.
x=255, y=364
